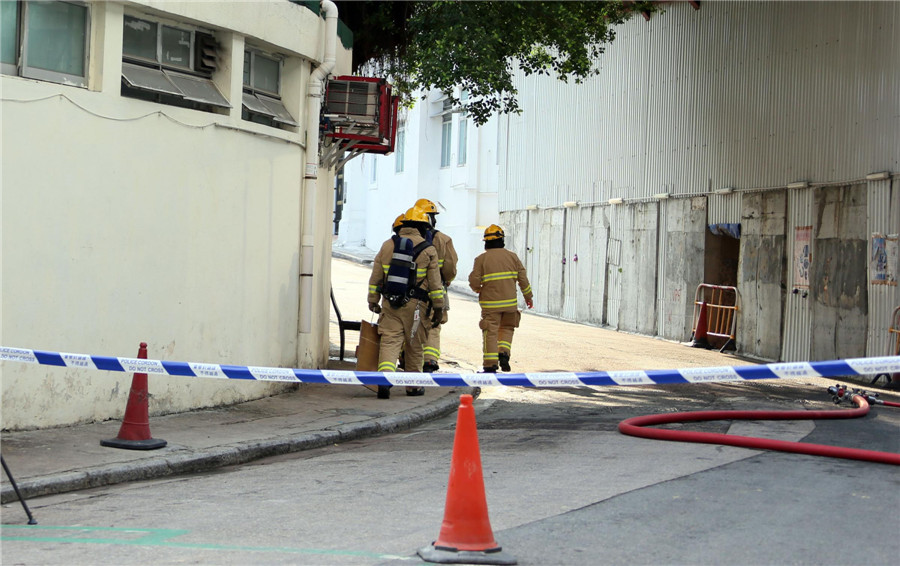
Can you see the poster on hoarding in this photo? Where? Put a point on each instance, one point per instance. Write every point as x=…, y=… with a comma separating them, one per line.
x=883, y=261
x=802, y=256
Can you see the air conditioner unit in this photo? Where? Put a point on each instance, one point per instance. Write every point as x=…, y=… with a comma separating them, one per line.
x=355, y=99
x=359, y=114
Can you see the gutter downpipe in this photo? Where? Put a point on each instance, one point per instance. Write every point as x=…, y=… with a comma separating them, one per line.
x=311, y=171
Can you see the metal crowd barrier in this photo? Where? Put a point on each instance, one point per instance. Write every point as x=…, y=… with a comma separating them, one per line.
x=722, y=303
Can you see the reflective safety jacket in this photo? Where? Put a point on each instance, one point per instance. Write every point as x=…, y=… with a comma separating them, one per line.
x=447, y=258
x=428, y=275
x=494, y=277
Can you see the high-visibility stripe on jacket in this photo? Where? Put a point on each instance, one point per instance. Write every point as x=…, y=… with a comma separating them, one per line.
x=427, y=272
x=494, y=276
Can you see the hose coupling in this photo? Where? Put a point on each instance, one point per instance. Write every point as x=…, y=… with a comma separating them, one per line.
x=841, y=393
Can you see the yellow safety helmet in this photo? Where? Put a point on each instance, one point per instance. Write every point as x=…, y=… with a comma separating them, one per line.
x=415, y=215
x=398, y=221
x=427, y=206
x=493, y=232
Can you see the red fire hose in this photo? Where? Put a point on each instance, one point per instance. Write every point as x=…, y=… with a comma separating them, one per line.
x=635, y=427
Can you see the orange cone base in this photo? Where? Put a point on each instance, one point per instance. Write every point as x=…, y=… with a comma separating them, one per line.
x=147, y=444
x=445, y=555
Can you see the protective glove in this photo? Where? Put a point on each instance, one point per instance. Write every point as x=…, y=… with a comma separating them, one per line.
x=530, y=303
x=436, y=316
x=375, y=307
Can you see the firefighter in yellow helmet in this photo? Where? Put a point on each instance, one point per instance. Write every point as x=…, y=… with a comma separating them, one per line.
x=494, y=276
x=405, y=289
x=447, y=260
x=397, y=223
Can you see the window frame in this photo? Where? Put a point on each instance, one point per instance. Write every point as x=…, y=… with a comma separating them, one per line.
x=463, y=137
x=256, y=54
x=263, y=106
x=400, y=150
x=21, y=66
x=158, y=53
x=13, y=67
x=446, y=133
x=258, y=104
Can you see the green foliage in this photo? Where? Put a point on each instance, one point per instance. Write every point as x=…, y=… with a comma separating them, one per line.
x=478, y=46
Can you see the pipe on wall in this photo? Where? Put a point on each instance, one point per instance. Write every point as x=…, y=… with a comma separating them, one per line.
x=311, y=169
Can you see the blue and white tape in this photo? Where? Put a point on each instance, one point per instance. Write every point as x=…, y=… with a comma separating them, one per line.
x=784, y=370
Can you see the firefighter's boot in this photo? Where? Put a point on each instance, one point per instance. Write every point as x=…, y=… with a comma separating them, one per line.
x=430, y=366
x=504, y=361
x=384, y=391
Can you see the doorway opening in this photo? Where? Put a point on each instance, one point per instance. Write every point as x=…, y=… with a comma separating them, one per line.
x=720, y=264
x=723, y=248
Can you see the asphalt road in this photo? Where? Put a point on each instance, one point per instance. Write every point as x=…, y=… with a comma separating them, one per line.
x=563, y=487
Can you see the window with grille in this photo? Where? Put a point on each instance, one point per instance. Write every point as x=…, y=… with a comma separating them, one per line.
x=170, y=65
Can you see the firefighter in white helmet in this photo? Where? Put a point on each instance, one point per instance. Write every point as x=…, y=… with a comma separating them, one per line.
x=405, y=289
x=447, y=260
x=494, y=276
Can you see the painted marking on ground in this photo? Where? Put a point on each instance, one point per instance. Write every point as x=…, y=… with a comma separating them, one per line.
x=158, y=538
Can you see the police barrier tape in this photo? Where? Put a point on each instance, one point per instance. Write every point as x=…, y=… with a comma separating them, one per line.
x=784, y=370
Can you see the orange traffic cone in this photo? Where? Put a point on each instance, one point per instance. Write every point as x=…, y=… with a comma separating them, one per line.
x=700, y=340
x=466, y=536
x=134, y=433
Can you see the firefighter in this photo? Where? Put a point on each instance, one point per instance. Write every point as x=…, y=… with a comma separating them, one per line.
x=405, y=325
x=447, y=260
x=398, y=222
x=494, y=277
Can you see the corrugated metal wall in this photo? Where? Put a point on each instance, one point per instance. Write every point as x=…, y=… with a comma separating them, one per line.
x=739, y=94
x=724, y=209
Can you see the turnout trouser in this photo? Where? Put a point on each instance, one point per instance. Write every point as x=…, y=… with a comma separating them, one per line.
x=404, y=329
x=497, y=330
x=433, y=344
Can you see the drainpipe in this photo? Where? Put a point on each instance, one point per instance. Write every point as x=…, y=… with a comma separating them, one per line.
x=311, y=171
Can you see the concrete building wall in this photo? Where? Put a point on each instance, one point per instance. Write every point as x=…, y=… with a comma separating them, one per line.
x=127, y=221
x=681, y=263
x=761, y=274
x=839, y=273
x=883, y=212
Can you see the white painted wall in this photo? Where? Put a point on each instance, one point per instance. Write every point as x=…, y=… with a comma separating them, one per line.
x=467, y=193
x=126, y=221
